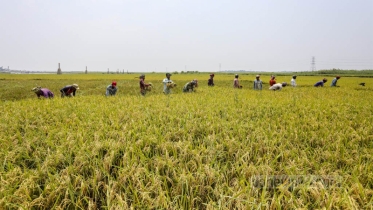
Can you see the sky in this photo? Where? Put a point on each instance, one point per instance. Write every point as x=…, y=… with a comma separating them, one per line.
x=186, y=35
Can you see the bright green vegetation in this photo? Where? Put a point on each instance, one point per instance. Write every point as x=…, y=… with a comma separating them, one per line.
x=183, y=151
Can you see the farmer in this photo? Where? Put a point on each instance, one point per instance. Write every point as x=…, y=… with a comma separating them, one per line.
x=112, y=89
x=189, y=87
x=278, y=86
x=272, y=81
x=143, y=86
x=334, y=81
x=320, y=83
x=167, y=84
x=43, y=92
x=211, y=80
x=293, y=83
x=236, y=83
x=258, y=84
x=69, y=90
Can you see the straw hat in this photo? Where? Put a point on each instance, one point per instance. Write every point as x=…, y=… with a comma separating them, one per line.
x=76, y=86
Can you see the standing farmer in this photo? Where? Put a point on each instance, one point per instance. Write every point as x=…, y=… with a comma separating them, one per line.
x=236, y=83
x=211, y=80
x=69, y=90
x=143, y=86
x=168, y=84
x=334, y=81
x=112, y=89
x=293, y=83
x=43, y=92
x=258, y=84
x=272, y=81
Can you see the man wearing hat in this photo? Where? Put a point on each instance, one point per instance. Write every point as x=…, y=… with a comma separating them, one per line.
x=189, y=87
x=278, y=86
x=143, y=86
x=69, y=90
x=43, y=92
x=320, y=83
x=258, y=84
x=334, y=81
x=292, y=81
x=167, y=84
x=211, y=80
x=112, y=89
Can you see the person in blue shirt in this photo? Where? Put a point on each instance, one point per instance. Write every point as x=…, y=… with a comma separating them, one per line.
x=320, y=83
x=258, y=84
x=112, y=89
x=334, y=82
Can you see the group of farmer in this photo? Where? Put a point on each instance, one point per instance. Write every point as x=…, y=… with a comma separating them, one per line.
x=68, y=91
x=258, y=84
x=168, y=84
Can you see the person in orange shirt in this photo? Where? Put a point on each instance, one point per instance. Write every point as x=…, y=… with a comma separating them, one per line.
x=272, y=81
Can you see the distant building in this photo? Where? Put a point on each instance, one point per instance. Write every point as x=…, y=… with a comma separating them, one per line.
x=59, y=69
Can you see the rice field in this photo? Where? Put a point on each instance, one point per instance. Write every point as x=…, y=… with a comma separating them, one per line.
x=202, y=150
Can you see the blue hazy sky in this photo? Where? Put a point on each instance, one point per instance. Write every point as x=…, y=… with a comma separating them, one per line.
x=174, y=35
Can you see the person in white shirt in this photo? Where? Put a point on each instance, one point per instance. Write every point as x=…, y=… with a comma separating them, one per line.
x=278, y=86
x=293, y=83
x=167, y=84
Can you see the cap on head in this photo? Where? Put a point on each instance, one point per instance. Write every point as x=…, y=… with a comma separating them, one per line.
x=257, y=76
x=76, y=86
x=36, y=89
x=114, y=83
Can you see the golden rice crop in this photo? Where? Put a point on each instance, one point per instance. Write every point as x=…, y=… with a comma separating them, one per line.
x=184, y=151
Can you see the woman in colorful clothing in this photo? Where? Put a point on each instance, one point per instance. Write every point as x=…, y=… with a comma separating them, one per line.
x=43, y=92
x=272, y=81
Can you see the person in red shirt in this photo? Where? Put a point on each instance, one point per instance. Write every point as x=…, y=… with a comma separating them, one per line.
x=143, y=86
x=272, y=81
